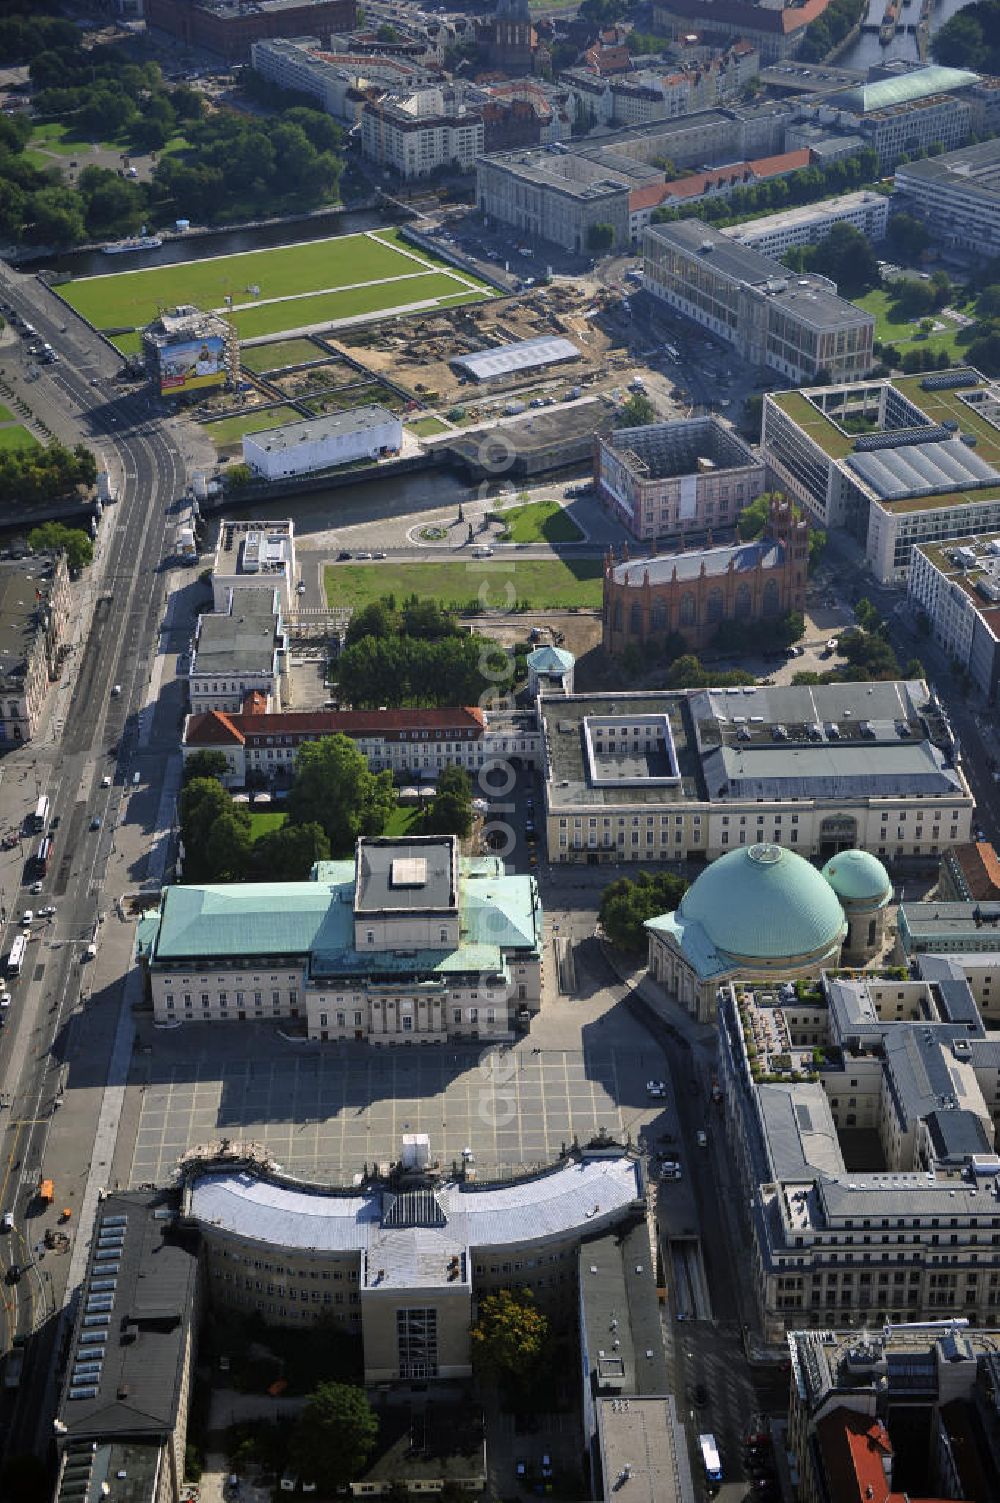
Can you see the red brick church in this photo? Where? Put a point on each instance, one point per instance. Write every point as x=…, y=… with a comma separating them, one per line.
x=695, y=592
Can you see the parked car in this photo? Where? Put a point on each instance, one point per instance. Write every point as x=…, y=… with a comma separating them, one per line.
x=656, y=1090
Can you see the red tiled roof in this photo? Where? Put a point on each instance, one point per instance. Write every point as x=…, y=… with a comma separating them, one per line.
x=854, y=1450
x=980, y=867
x=214, y=728
x=734, y=175
x=737, y=15
x=785, y=161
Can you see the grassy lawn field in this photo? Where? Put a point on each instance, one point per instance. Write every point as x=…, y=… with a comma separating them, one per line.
x=905, y=333
x=402, y=820
x=61, y=137
x=287, y=271
x=263, y=824
x=284, y=352
x=17, y=437
x=326, y=307
x=229, y=430
x=426, y=427
x=540, y=522
x=539, y=583
x=6, y=416
x=128, y=344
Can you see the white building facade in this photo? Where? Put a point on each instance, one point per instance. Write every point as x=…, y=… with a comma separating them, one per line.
x=322, y=443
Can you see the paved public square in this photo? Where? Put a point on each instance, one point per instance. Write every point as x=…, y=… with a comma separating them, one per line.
x=324, y=1111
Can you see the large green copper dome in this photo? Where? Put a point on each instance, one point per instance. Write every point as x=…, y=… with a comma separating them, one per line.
x=858, y=877
x=765, y=902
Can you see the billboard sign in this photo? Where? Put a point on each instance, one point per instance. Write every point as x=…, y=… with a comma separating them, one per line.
x=193, y=365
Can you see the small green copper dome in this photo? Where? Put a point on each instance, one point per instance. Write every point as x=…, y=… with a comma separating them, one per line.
x=765, y=902
x=858, y=877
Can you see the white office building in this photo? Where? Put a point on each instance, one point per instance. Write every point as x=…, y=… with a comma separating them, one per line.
x=322, y=443
x=774, y=234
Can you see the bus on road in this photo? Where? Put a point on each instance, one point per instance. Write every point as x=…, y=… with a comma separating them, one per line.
x=18, y=950
x=40, y=860
x=40, y=818
x=710, y=1458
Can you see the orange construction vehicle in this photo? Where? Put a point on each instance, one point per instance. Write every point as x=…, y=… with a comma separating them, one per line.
x=46, y=1191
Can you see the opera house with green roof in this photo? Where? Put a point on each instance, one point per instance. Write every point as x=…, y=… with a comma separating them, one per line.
x=409, y=943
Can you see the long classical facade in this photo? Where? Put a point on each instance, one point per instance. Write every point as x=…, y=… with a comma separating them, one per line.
x=695, y=593
x=410, y=943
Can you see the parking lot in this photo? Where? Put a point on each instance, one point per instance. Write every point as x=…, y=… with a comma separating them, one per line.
x=324, y=1111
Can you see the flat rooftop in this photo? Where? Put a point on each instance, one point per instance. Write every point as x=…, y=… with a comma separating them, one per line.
x=807, y=298
x=692, y=446
x=140, y=1278
x=643, y=1439
x=241, y=641
x=950, y=920
x=20, y=614
x=804, y=215
x=417, y=875
x=972, y=169
x=254, y=548
x=509, y=359
x=969, y=407
x=979, y=580
x=756, y=742
x=315, y=430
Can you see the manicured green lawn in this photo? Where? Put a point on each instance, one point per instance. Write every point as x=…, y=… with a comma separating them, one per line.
x=326, y=307
x=128, y=344
x=425, y=427
x=17, y=437
x=60, y=136
x=905, y=333
x=6, y=416
x=401, y=820
x=263, y=824
x=230, y=430
x=284, y=352
x=537, y=582
x=540, y=522
x=281, y=271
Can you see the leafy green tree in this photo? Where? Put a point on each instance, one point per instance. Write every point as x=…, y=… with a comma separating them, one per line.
x=334, y=788
x=114, y=205
x=846, y=256
x=912, y=299
x=907, y=236
x=984, y=352
x=508, y=1339
x=206, y=764
x=228, y=845
x=637, y=412
x=377, y=619
x=450, y=810
x=334, y=1435
x=288, y=854
x=686, y=672
x=626, y=905
x=600, y=237
x=868, y=616
x=55, y=537
x=971, y=39
x=55, y=216
x=914, y=669
x=202, y=801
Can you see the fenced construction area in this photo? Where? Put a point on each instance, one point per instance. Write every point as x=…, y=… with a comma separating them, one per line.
x=285, y=289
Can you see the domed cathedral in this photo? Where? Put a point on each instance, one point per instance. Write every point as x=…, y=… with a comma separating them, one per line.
x=695, y=592
x=512, y=45
x=764, y=913
x=862, y=884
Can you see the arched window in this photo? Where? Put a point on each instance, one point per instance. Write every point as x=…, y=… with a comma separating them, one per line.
x=689, y=611
x=715, y=605
x=743, y=600
x=772, y=600
x=659, y=617
x=635, y=620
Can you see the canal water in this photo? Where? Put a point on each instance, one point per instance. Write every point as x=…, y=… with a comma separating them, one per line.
x=220, y=243
x=868, y=52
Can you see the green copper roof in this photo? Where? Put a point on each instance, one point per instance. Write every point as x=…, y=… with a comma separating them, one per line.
x=764, y=902
x=858, y=876
x=251, y=918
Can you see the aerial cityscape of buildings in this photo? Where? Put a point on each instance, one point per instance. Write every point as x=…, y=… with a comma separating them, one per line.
x=499, y=821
